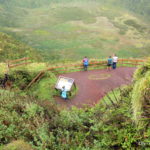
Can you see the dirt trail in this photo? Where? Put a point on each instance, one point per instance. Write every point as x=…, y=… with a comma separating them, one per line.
x=94, y=84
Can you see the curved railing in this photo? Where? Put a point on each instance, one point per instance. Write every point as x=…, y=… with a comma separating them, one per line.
x=92, y=65
x=97, y=65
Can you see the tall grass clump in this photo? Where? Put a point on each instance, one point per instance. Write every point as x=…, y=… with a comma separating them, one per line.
x=44, y=89
x=141, y=95
x=18, y=145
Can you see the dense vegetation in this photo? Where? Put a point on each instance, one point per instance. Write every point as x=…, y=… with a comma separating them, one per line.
x=30, y=118
x=141, y=7
x=64, y=30
x=12, y=49
x=71, y=29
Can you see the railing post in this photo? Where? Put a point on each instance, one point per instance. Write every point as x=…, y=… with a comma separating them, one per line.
x=136, y=62
x=8, y=68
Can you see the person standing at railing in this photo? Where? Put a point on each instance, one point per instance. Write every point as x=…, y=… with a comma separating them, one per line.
x=115, y=60
x=85, y=63
x=109, y=63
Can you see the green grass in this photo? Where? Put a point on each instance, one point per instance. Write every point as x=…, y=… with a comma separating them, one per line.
x=65, y=14
x=71, y=30
x=16, y=145
x=134, y=24
x=34, y=119
x=44, y=89
x=112, y=97
x=140, y=95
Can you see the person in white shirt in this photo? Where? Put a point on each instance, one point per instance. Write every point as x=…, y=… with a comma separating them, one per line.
x=115, y=60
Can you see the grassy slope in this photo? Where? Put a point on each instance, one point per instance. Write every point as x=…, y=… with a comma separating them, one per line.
x=44, y=125
x=13, y=49
x=75, y=29
x=141, y=95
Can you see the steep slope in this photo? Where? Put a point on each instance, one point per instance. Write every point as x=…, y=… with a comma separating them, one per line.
x=141, y=95
x=13, y=49
x=106, y=126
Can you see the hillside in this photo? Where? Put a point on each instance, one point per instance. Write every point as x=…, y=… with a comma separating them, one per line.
x=12, y=49
x=106, y=109
x=72, y=29
x=33, y=120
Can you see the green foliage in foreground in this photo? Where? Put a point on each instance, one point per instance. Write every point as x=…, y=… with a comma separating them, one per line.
x=141, y=95
x=43, y=125
x=21, y=77
x=45, y=88
x=18, y=145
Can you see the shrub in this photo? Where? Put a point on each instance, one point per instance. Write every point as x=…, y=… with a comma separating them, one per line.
x=135, y=25
x=18, y=145
x=140, y=98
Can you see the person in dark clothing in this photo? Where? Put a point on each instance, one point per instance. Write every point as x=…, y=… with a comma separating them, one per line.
x=109, y=63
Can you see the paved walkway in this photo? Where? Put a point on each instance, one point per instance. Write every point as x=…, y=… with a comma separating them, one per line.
x=94, y=84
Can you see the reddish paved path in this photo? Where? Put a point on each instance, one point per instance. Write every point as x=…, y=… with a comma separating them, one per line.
x=91, y=91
